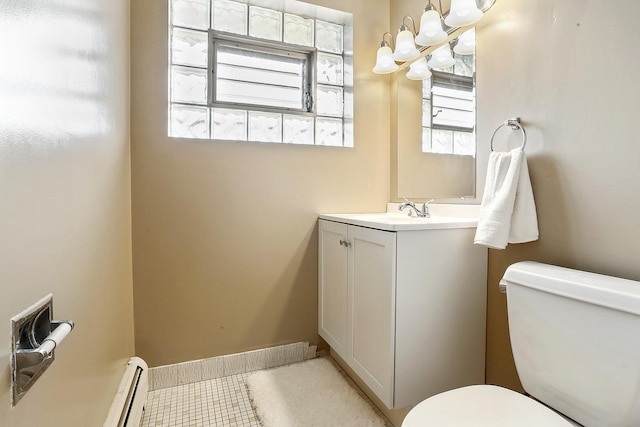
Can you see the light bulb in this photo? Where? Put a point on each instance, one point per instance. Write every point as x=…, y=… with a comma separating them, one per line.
x=462, y=13
x=431, y=31
x=466, y=43
x=405, y=47
x=441, y=58
x=419, y=70
x=384, y=61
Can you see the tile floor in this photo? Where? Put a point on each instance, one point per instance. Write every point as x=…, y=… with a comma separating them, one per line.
x=219, y=402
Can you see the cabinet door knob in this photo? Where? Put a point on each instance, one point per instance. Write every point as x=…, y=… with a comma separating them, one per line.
x=345, y=243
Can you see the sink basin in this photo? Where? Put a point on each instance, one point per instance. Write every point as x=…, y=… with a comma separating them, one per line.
x=391, y=221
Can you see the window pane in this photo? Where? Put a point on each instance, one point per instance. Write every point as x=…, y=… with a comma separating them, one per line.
x=330, y=101
x=188, y=121
x=328, y=131
x=229, y=16
x=298, y=30
x=464, y=65
x=189, y=47
x=259, y=78
x=190, y=13
x=426, y=140
x=265, y=23
x=298, y=130
x=426, y=88
x=330, y=69
x=426, y=113
x=453, y=107
x=441, y=141
x=229, y=124
x=464, y=143
x=265, y=127
x=328, y=37
x=188, y=85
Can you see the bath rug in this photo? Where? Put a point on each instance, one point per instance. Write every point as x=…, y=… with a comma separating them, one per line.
x=311, y=393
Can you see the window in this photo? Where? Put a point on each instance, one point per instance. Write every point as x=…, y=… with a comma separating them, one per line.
x=248, y=73
x=452, y=102
x=448, y=109
x=254, y=76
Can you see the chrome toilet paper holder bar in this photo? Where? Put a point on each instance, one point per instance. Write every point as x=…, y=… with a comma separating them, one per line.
x=33, y=340
x=26, y=358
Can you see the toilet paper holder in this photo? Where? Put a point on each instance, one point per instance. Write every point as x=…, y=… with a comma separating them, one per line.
x=34, y=337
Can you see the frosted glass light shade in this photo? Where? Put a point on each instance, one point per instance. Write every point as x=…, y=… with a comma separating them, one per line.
x=384, y=61
x=419, y=70
x=405, y=47
x=431, y=32
x=463, y=12
x=441, y=58
x=466, y=43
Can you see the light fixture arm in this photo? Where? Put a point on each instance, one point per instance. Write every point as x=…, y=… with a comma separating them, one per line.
x=404, y=26
x=432, y=7
x=385, y=43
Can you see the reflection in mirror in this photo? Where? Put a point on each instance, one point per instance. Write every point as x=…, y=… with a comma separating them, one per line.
x=448, y=104
x=435, y=141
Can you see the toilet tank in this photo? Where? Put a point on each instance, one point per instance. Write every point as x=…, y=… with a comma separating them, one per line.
x=576, y=341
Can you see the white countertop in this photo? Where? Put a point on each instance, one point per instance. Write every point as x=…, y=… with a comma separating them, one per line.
x=442, y=217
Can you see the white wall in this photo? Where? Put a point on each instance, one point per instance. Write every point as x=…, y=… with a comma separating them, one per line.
x=65, y=224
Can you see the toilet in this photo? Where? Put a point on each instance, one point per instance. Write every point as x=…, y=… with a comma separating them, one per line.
x=575, y=338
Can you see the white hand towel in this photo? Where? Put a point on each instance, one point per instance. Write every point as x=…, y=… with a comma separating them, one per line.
x=507, y=213
x=524, y=220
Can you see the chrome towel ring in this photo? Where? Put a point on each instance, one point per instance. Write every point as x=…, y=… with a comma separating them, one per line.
x=514, y=124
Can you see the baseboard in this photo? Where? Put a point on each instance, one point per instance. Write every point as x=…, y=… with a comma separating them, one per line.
x=232, y=364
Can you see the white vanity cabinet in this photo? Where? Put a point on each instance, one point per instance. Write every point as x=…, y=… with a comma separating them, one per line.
x=405, y=309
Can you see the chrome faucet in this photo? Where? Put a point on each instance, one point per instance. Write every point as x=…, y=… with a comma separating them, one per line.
x=424, y=213
x=411, y=205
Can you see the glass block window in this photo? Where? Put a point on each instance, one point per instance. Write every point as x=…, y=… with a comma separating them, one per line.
x=242, y=72
x=449, y=109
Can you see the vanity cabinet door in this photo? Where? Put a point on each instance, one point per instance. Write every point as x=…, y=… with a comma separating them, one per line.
x=372, y=270
x=356, y=300
x=333, y=285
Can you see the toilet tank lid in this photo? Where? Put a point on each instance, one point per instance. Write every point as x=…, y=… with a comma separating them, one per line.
x=607, y=291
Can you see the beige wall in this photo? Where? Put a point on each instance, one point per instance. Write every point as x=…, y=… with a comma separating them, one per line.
x=569, y=70
x=225, y=234
x=65, y=207
x=225, y=246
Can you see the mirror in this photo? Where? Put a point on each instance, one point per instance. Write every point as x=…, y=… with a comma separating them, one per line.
x=436, y=142
x=421, y=169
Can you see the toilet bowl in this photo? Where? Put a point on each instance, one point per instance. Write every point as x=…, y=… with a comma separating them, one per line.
x=576, y=346
x=483, y=405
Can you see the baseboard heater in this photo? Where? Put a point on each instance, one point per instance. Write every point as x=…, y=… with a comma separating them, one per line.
x=128, y=404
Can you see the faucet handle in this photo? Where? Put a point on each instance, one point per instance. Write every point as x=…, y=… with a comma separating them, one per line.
x=425, y=208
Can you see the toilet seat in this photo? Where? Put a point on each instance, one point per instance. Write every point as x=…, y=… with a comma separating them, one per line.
x=483, y=406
